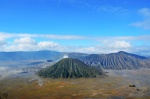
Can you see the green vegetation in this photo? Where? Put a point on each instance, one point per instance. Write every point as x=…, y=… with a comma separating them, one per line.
x=70, y=68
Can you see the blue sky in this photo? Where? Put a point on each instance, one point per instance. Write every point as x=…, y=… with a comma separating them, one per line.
x=92, y=26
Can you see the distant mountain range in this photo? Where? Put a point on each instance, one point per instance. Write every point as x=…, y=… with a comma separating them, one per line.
x=37, y=55
x=31, y=55
x=120, y=60
x=70, y=68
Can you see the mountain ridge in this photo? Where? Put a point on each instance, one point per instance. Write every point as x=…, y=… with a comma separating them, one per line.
x=120, y=60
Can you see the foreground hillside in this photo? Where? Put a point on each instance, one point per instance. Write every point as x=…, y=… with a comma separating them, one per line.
x=70, y=68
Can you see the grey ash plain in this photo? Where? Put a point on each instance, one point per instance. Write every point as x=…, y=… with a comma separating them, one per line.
x=26, y=70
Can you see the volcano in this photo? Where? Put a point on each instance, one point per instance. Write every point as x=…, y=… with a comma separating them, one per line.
x=70, y=68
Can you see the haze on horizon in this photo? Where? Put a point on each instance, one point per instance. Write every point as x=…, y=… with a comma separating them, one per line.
x=89, y=26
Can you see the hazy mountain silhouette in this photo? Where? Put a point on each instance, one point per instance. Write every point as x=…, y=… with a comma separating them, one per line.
x=28, y=55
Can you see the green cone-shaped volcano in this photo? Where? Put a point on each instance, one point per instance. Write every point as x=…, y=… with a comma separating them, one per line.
x=70, y=68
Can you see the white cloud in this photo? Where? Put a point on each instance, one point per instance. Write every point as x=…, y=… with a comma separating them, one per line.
x=100, y=49
x=22, y=44
x=47, y=45
x=21, y=47
x=22, y=37
x=91, y=49
x=101, y=45
x=29, y=44
x=111, y=9
x=50, y=36
x=124, y=38
x=145, y=24
x=106, y=46
x=2, y=68
x=6, y=35
x=117, y=44
x=2, y=42
x=64, y=37
x=145, y=12
x=25, y=40
x=114, y=10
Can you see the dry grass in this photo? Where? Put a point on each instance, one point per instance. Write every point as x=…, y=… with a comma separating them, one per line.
x=68, y=88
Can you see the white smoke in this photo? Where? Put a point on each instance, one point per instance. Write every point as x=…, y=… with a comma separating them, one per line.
x=7, y=71
x=65, y=56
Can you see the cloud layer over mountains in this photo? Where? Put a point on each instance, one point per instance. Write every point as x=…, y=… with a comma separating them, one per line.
x=34, y=42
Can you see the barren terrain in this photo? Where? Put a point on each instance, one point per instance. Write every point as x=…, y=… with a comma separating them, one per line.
x=27, y=85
